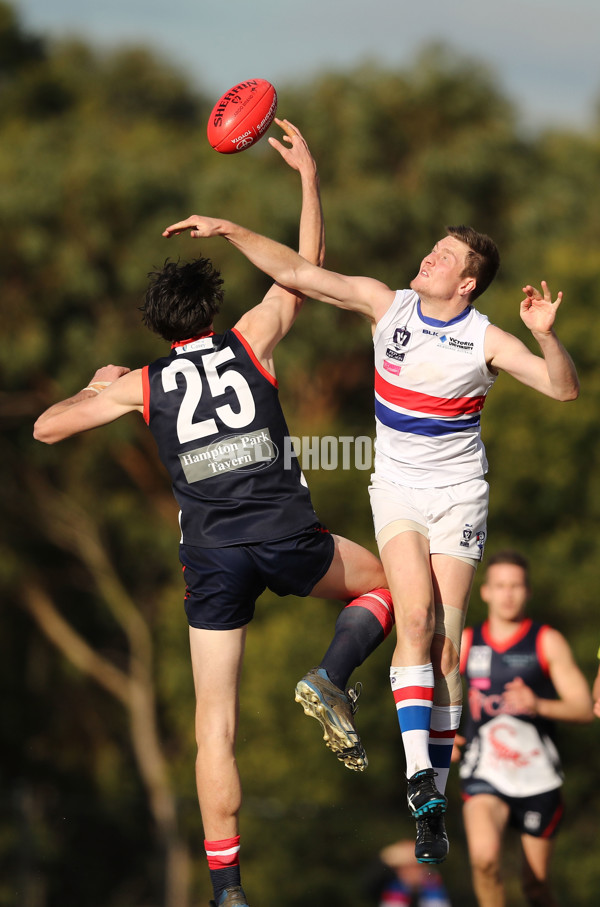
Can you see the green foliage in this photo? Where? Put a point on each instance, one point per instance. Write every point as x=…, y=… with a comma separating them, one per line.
x=99, y=152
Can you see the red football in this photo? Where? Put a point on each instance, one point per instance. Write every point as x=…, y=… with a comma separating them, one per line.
x=242, y=116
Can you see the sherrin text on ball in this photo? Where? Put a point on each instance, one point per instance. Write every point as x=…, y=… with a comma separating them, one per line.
x=242, y=116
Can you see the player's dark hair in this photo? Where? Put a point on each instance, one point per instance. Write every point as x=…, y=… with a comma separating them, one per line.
x=182, y=298
x=509, y=556
x=483, y=259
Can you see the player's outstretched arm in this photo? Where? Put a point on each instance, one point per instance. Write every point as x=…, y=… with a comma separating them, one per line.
x=359, y=294
x=113, y=391
x=554, y=373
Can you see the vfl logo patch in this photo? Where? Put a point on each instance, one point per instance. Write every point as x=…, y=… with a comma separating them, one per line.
x=401, y=336
x=467, y=535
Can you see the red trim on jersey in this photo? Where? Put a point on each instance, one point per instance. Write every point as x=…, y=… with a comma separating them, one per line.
x=541, y=657
x=503, y=646
x=146, y=393
x=252, y=355
x=191, y=339
x=425, y=403
x=467, y=642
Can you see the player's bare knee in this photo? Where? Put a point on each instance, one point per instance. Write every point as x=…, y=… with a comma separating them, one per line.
x=416, y=634
x=215, y=730
x=486, y=865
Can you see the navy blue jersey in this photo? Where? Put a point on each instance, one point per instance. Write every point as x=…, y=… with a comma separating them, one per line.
x=511, y=755
x=221, y=433
x=488, y=665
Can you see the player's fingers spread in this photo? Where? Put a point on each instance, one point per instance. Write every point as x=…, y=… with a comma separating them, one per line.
x=288, y=128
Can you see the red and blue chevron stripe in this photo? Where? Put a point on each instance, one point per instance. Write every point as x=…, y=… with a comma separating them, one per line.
x=427, y=415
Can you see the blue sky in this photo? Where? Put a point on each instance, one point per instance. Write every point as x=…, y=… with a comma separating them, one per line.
x=545, y=53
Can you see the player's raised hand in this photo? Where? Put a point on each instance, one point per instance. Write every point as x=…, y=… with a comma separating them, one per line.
x=538, y=312
x=295, y=151
x=199, y=227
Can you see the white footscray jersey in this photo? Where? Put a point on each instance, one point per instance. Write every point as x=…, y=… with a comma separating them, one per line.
x=431, y=381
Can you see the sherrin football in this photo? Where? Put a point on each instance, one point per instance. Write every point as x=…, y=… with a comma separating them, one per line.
x=242, y=116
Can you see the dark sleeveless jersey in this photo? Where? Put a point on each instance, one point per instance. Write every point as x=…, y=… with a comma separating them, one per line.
x=221, y=433
x=488, y=665
x=515, y=753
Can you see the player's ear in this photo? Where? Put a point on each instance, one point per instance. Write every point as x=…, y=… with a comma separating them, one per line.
x=467, y=286
x=484, y=593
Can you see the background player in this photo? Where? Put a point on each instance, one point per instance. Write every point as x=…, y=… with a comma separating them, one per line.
x=398, y=880
x=521, y=678
x=247, y=521
x=436, y=357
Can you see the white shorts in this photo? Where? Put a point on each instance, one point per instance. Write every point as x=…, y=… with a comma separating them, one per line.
x=453, y=518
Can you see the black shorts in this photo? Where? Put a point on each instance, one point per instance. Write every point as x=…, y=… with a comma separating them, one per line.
x=539, y=816
x=222, y=584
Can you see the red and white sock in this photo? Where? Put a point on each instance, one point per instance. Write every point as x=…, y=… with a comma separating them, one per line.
x=445, y=721
x=412, y=687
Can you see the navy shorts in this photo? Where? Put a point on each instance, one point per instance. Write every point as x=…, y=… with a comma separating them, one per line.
x=222, y=584
x=539, y=816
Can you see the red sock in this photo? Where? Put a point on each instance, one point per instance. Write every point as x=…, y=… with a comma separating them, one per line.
x=223, y=863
